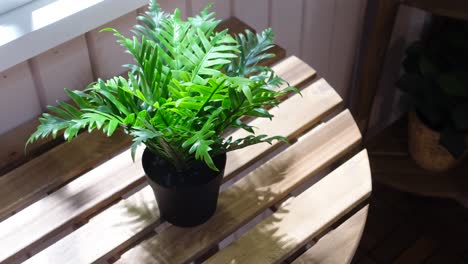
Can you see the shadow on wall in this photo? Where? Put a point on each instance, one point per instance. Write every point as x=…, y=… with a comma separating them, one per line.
x=409, y=25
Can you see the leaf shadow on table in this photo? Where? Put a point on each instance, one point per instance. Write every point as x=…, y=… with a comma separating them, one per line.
x=179, y=245
x=240, y=203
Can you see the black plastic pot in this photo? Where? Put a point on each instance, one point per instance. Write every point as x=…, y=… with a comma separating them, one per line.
x=184, y=199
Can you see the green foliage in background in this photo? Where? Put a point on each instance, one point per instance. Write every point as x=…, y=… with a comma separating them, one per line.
x=436, y=81
x=187, y=86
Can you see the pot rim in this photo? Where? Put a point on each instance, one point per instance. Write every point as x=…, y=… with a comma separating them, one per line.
x=154, y=178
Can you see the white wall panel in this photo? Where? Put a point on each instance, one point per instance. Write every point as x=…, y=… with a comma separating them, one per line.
x=221, y=7
x=348, y=26
x=171, y=5
x=65, y=66
x=168, y=6
x=18, y=98
x=317, y=35
x=286, y=21
x=108, y=56
x=253, y=12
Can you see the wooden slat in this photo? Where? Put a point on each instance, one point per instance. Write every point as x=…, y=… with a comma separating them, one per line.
x=303, y=218
x=119, y=175
x=58, y=166
x=107, y=233
x=251, y=195
x=13, y=155
x=233, y=158
x=295, y=71
x=392, y=165
x=338, y=246
x=293, y=113
x=342, y=127
x=68, y=205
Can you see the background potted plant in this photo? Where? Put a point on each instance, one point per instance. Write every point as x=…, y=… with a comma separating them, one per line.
x=435, y=84
x=188, y=86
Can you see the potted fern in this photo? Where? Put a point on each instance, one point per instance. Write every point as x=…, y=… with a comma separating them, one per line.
x=188, y=86
x=435, y=86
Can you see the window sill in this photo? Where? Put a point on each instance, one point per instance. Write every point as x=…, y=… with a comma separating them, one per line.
x=43, y=24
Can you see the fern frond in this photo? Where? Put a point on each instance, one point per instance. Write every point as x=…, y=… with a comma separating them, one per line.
x=253, y=50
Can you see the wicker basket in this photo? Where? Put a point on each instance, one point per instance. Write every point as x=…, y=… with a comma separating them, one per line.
x=425, y=149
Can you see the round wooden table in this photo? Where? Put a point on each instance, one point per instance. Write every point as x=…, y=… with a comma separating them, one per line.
x=304, y=202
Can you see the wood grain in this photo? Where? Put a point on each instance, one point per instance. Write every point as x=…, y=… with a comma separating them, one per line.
x=392, y=165
x=115, y=243
x=107, y=233
x=72, y=203
x=338, y=246
x=254, y=193
x=106, y=183
x=34, y=179
x=295, y=71
x=13, y=152
x=291, y=118
x=303, y=217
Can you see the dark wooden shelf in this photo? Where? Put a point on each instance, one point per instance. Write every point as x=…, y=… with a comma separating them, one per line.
x=392, y=165
x=449, y=8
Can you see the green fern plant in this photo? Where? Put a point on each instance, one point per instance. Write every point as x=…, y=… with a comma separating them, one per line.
x=188, y=85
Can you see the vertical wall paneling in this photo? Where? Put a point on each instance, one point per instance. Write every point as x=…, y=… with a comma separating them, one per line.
x=18, y=98
x=286, y=21
x=108, y=56
x=221, y=7
x=318, y=31
x=347, y=33
x=171, y=5
x=65, y=66
x=252, y=12
x=408, y=26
